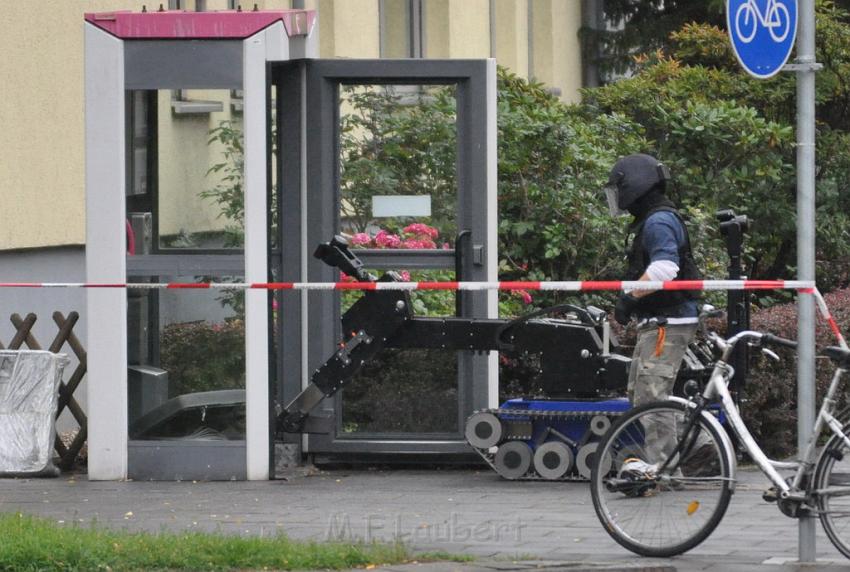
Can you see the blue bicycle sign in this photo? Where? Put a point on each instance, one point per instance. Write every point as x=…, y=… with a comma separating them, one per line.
x=762, y=33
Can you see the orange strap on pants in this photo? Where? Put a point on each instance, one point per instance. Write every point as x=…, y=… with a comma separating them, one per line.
x=659, y=343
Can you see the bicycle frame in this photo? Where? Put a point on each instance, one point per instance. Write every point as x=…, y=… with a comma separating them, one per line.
x=717, y=388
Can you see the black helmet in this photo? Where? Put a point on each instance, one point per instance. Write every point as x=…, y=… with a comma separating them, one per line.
x=631, y=178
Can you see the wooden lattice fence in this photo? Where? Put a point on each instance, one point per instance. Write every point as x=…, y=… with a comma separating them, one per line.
x=65, y=335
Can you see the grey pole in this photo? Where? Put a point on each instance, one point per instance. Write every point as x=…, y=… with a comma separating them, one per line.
x=806, y=247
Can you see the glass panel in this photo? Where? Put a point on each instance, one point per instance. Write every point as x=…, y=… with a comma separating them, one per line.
x=140, y=144
x=398, y=173
x=186, y=348
x=200, y=171
x=395, y=29
x=406, y=391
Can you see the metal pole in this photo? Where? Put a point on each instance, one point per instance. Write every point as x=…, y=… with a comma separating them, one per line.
x=806, y=247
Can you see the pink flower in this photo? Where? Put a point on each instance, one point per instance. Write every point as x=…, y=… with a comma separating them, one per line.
x=386, y=240
x=274, y=304
x=422, y=230
x=343, y=277
x=405, y=275
x=526, y=297
x=360, y=239
x=447, y=246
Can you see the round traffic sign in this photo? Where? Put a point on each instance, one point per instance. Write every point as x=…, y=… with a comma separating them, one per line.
x=762, y=33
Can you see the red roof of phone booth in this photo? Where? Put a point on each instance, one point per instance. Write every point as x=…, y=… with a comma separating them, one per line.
x=182, y=24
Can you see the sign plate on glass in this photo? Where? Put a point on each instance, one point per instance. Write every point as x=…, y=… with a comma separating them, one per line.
x=762, y=33
x=401, y=205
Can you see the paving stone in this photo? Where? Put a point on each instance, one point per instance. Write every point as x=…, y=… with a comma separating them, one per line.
x=464, y=512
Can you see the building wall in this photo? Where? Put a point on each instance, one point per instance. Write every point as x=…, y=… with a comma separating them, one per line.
x=41, y=171
x=555, y=50
x=511, y=32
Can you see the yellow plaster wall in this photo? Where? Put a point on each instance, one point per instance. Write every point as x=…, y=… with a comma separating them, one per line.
x=349, y=29
x=437, y=39
x=42, y=155
x=42, y=178
x=469, y=29
x=457, y=29
x=556, y=51
x=512, y=35
x=185, y=158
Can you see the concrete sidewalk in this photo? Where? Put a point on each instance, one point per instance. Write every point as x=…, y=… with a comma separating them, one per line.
x=505, y=525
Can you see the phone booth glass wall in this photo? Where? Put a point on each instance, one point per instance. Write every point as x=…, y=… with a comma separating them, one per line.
x=184, y=204
x=176, y=162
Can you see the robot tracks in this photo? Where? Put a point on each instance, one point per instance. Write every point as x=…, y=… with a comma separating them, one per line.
x=543, y=440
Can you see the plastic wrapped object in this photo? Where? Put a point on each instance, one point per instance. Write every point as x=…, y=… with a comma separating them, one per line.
x=29, y=384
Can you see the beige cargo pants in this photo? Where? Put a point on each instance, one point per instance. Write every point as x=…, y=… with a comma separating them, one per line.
x=655, y=365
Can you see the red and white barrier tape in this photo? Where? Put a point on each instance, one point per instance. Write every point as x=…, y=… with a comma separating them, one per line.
x=574, y=286
x=802, y=286
x=824, y=311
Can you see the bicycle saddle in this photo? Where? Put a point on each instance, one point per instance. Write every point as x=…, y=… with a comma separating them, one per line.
x=838, y=355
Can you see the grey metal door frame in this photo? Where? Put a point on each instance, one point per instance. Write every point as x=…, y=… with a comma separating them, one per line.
x=307, y=95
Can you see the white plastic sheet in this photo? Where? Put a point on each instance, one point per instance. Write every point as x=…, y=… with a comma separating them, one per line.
x=29, y=391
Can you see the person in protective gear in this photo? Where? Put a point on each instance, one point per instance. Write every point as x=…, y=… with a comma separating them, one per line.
x=660, y=251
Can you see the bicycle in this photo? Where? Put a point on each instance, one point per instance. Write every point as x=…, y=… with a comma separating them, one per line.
x=775, y=16
x=666, y=492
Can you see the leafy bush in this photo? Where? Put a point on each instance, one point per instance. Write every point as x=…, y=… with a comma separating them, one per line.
x=770, y=398
x=203, y=356
x=553, y=161
x=398, y=140
x=228, y=192
x=394, y=393
x=728, y=139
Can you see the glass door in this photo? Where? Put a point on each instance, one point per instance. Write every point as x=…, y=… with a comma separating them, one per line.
x=396, y=160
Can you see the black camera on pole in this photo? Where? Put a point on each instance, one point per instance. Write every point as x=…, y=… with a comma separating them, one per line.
x=733, y=227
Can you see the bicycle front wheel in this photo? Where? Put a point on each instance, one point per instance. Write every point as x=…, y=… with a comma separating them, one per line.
x=658, y=498
x=832, y=488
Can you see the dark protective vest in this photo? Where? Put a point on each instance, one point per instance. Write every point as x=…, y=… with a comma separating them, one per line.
x=663, y=302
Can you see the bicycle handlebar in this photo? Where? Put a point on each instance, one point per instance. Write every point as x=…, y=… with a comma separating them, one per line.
x=777, y=341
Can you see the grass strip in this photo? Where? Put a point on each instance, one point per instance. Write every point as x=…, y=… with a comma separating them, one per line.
x=30, y=543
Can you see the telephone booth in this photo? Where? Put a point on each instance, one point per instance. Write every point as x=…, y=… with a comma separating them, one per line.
x=219, y=148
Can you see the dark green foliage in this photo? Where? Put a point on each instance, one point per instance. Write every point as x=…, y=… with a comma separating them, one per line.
x=404, y=391
x=398, y=140
x=553, y=161
x=228, y=192
x=770, y=406
x=202, y=356
x=729, y=141
x=635, y=27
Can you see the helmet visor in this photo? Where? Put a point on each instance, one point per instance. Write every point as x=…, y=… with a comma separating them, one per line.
x=613, y=204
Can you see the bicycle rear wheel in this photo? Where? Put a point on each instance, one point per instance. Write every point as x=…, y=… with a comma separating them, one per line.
x=832, y=486
x=653, y=509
